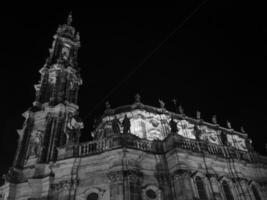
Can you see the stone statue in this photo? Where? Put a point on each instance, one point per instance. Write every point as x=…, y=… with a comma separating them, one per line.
x=74, y=125
x=162, y=104
x=181, y=110
x=174, y=102
x=224, y=138
x=36, y=143
x=116, y=125
x=229, y=125
x=126, y=125
x=248, y=143
x=137, y=98
x=214, y=119
x=198, y=115
x=107, y=105
x=197, y=132
x=173, y=126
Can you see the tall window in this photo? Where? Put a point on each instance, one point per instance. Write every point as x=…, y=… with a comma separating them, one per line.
x=201, y=189
x=255, y=193
x=227, y=191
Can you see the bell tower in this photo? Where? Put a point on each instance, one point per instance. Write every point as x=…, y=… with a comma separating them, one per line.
x=53, y=120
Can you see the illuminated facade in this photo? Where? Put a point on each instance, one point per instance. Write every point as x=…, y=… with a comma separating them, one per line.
x=138, y=151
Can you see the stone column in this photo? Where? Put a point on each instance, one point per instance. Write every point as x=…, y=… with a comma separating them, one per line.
x=182, y=185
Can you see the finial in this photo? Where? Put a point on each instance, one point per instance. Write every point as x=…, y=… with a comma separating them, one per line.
x=214, y=119
x=181, y=110
x=174, y=101
x=229, y=125
x=161, y=103
x=242, y=129
x=137, y=98
x=198, y=115
x=69, y=21
x=107, y=105
x=77, y=36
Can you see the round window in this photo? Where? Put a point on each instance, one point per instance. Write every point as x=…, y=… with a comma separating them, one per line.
x=151, y=194
x=92, y=196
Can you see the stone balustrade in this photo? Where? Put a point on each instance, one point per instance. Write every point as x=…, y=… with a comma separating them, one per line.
x=157, y=146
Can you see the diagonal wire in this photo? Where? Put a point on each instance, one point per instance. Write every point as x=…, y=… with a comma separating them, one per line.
x=127, y=77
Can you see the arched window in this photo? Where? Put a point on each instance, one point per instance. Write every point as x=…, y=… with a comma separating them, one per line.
x=227, y=191
x=201, y=189
x=255, y=192
x=92, y=196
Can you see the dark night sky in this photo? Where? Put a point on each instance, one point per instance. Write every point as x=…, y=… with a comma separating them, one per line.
x=214, y=63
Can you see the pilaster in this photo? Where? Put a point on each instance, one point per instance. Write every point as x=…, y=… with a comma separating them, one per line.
x=182, y=184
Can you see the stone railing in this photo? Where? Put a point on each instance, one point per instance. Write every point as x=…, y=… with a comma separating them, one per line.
x=92, y=147
x=212, y=149
x=156, y=146
x=98, y=146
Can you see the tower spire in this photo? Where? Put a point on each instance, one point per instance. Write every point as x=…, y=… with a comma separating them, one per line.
x=55, y=104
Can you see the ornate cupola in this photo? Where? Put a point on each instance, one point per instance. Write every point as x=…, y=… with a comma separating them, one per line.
x=53, y=119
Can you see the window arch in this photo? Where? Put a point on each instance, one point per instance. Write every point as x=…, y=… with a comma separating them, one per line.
x=92, y=196
x=255, y=192
x=227, y=191
x=201, y=189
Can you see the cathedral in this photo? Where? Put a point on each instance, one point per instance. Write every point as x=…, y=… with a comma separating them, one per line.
x=138, y=152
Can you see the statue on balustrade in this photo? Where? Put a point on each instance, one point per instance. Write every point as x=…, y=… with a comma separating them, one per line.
x=116, y=125
x=224, y=138
x=173, y=125
x=197, y=132
x=126, y=125
x=249, y=144
x=74, y=125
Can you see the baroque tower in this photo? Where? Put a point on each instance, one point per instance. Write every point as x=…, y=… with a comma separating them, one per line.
x=53, y=120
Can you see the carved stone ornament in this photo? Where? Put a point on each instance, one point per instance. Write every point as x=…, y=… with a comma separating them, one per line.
x=132, y=175
x=181, y=172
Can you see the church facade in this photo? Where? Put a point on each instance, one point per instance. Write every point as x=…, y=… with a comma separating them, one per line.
x=138, y=152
